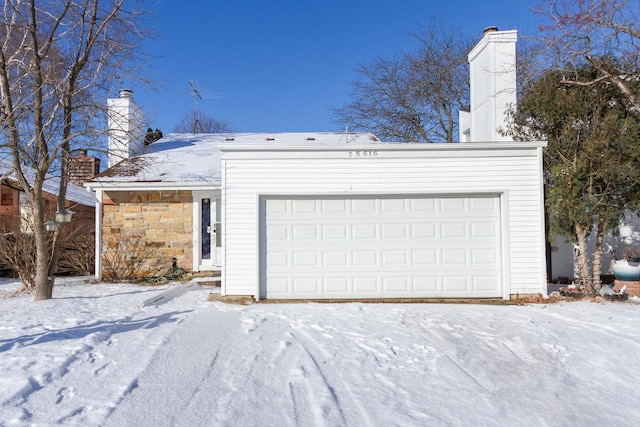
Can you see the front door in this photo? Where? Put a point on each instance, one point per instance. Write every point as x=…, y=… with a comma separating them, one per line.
x=207, y=236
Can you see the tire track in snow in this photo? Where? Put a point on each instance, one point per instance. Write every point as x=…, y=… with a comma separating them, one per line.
x=320, y=416
x=450, y=352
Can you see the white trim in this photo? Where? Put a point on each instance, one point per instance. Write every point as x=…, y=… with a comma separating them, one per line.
x=258, y=254
x=197, y=196
x=151, y=186
x=506, y=244
x=98, y=236
x=223, y=219
x=387, y=146
x=543, y=241
x=195, y=257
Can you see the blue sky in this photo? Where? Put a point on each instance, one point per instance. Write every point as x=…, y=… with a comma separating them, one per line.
x=278, y=66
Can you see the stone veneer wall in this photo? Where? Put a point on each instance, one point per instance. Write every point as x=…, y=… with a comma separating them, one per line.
x=149, y=228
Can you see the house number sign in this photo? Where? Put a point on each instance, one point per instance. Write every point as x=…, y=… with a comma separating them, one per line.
x=363, y=153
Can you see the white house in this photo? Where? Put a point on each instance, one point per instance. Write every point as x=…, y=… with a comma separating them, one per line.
x=344, y=216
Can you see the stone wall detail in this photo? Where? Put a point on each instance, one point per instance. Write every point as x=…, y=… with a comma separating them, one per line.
x=144, y=230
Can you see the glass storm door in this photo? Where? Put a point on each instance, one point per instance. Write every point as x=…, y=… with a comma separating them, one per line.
x=207, y=230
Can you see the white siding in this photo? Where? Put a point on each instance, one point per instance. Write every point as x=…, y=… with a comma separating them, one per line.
x=492, y=72
x=512, y=171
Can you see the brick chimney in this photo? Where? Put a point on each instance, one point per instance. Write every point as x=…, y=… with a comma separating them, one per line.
x=126, y=130
x=83, y=168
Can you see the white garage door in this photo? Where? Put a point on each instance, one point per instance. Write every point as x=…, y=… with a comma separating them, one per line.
x=383, y=247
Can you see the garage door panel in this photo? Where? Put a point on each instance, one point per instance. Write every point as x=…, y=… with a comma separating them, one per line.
x=423, y=230
x=279, y=286
x=453, y=230
x=334, y=232
x=335, y=286
x=276, y=206
x=278, y=232
x=484, y=205
x=484, y=283
x=305, y=259
x=364, y=231
x=364, y=206
x=333, y=206
x=393, y=205
x=394, y=231
x=364, y=258
x=391, y=247
x=454, y=257
x=306, y=285
x=303, y=206
x=453, y=204
x=455, y=284
x=305, y=232
x=277, y=259
x=426, y=284
x=423, y=205
x=483, y=230
x=395, y=257
x=484, y=257
x=335, y=259
x=395, y=285
x=424, y=257
x=365, y=285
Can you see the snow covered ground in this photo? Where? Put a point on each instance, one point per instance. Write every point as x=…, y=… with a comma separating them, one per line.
x=96, y=355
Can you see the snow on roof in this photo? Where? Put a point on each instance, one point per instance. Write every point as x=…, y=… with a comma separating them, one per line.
x=195, y=158
x=51, y=184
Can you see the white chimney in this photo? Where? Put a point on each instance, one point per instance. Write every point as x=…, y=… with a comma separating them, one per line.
x=492, y=69
x=126, y=133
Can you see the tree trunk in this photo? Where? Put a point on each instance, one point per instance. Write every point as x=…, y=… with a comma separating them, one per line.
x=597, y=256
x=43, y=281
x=583, y=260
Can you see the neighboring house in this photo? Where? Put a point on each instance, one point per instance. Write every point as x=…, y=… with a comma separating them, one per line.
x=565, y=255
x=332, y=215
x=76, y=256
x=15, y=210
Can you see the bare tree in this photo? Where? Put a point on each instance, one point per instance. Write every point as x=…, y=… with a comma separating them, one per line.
x=415, y=96
x=57, y=59
x=198, y=122
x=603, y=33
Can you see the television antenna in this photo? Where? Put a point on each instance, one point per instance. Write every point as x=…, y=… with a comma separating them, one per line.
x=348, y=137
x=199, y=95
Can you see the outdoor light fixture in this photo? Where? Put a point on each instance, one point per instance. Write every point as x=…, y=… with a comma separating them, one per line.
x=62, y=217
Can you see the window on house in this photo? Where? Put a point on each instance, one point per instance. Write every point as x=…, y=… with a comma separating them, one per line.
x=6, y=196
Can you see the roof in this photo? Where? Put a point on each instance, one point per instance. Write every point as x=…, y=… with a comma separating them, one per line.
x=51, y=184
x=194, y=159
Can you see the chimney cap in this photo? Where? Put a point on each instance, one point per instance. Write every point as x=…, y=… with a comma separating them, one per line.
x=126, y=93
x=489, y=29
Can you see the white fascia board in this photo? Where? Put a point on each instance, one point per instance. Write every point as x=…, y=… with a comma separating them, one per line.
x=364, y=152
x=391, y=146
x=146, y=186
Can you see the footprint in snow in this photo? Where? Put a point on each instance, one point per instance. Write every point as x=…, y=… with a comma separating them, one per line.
x=64, y=393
